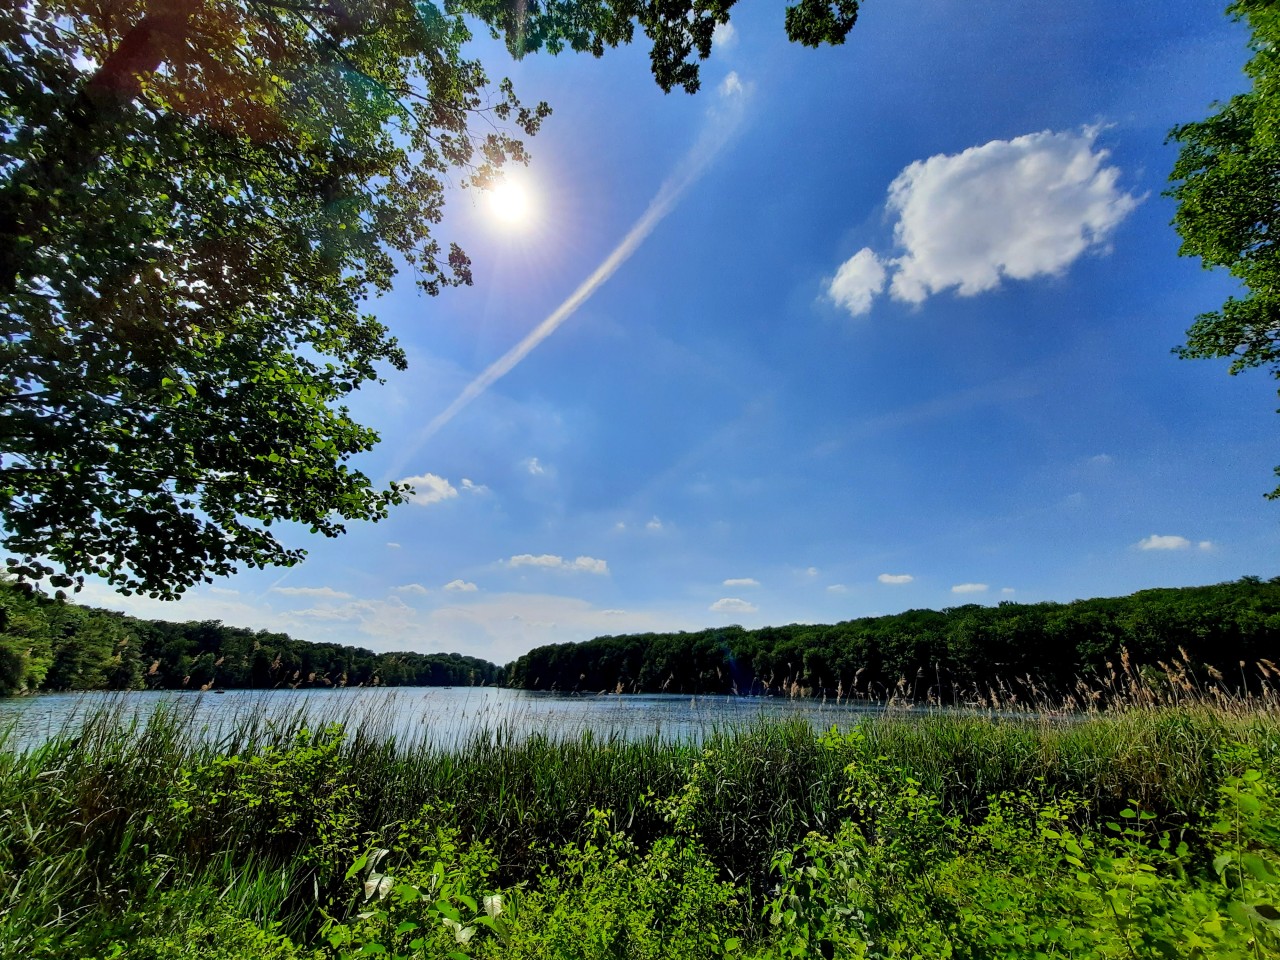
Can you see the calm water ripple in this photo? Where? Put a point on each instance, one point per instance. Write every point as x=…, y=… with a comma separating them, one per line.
x=442, y=716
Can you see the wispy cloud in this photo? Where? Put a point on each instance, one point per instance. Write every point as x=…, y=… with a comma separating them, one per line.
x=742, y=582
x=412, y=588
x=1009, y=209
x=837, y=588
x=723, y=120
x=895, y=578
x=653, y=525
x=1157, y=542
x=732, y=605
x=326, y=593
x=969, y=588
x=723, y=37
x=550, y=561
x=460, y=586
x=534, y=467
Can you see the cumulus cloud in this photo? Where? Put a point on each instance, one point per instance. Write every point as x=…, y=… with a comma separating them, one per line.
x=460, y=586
x=732, y=605
x=724, y=36
x=1009, y=209
x=1157, y=542
x=742, y=582
x=429, y=489
x=895, y=578
x=969, y=588
x=858, y=281
x=325, y=593
x=412, y=588
x=552, y=562
x=731, y=85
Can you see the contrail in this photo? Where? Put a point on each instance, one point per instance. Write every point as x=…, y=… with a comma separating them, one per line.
x=722, y=124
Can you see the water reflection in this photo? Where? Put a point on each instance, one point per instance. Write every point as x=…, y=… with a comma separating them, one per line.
x=441, y=716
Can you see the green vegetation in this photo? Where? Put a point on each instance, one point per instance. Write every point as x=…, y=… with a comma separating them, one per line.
x=1147, y=832
x=48, y=644
x=969, y=654
x=1225, y=183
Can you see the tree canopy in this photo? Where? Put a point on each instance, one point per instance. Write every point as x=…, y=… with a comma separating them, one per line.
x=197, y=200
x=1227, y=185
x=1209, y=634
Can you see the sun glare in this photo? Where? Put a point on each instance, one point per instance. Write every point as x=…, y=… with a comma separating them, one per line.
x=509, y=202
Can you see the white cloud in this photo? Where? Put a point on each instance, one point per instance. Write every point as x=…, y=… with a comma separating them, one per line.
x=620, y=526
x=325, y=593
x=1157, y=542
x=224, y=592
x=655, y=525
x=392, y=545
x=534, y=467
x=837, y=588
x=858, y=281
x=412, y=588
x=429, y=488
x=724, y=36
x=895, y=578
x=1008, y=591
x=969, y=588
x=550, y=561
x=812, y=572
x=742, y=582
x=731, y=85
x=1102, y=460
x=732, y=605
x=1206, y=545
x=470, y=487
x=460, y=586
x=1009, y=209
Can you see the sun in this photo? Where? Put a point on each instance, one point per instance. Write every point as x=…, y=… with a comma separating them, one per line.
x=510, y=203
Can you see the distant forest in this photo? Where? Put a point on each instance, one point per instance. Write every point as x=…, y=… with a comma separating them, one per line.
x=48, y=644
x=949, y=655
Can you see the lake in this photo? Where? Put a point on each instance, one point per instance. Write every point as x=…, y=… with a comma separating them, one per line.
x=442, y=716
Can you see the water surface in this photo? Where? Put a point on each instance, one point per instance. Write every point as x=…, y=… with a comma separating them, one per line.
x=443, y=716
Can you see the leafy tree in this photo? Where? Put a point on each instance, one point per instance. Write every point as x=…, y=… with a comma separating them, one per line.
x=196, y=200
x=1227, y=185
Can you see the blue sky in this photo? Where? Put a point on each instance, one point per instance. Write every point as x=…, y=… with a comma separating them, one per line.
x=896, y=333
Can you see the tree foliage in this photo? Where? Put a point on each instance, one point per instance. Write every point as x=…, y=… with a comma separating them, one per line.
x=947, y=655
x=197, y=199
x=47, y=644
x=1227, y=185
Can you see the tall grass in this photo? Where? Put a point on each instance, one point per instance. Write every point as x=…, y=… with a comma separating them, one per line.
x=120, y=825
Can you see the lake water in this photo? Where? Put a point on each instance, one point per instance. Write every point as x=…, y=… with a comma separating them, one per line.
x=443, y=716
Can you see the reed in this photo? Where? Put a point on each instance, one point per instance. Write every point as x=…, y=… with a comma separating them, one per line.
x=121, y=826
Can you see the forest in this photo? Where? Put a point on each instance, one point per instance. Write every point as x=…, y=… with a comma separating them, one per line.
x=49, y=644
x=1225, y=633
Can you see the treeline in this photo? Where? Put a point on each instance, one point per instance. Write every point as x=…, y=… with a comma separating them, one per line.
x=948, y=655
x=48, y=644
